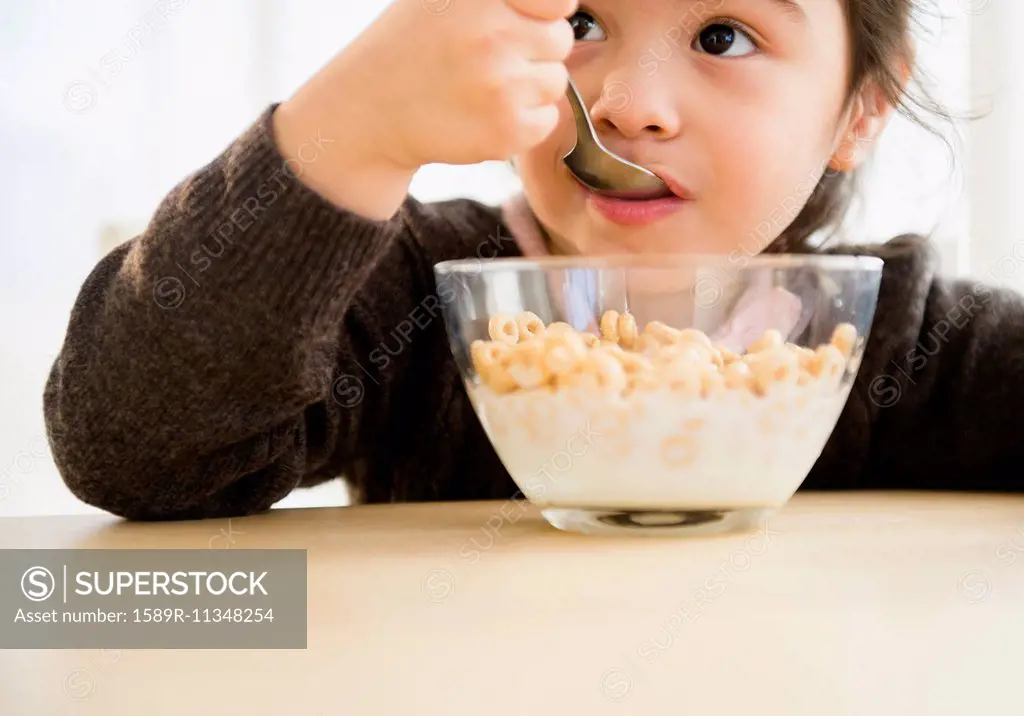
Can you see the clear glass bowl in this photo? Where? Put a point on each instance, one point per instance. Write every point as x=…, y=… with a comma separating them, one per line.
x=684, y=434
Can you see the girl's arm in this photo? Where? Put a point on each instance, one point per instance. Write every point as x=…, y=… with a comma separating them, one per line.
x=216, y=362
x=938, y=395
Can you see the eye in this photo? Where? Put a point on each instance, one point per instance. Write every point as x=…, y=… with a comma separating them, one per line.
x=724, y=40
x=587, y=29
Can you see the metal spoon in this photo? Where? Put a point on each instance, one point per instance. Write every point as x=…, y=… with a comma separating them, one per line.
x=599, y=169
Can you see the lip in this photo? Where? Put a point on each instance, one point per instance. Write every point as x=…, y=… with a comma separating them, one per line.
x=674, y=186
x=640, y=212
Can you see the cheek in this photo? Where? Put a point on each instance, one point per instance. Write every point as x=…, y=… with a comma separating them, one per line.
x=763, y=167
x=545, y=180
x=534, y=170
x=539, y=167
x=785, y=117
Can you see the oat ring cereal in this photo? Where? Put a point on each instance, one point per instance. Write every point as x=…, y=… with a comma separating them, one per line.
x=523, y=354
x=504, y=329
x=632, y=417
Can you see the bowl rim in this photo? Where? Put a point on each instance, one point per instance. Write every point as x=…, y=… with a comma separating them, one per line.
x=827, y=262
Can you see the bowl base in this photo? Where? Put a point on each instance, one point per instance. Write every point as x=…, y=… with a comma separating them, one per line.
x=657, y=522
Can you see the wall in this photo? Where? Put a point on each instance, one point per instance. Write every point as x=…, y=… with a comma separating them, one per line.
x=996, y=143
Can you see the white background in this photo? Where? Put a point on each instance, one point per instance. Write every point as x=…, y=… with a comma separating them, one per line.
x=83, y=171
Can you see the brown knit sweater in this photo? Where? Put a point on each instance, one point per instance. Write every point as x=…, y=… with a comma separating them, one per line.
x=210, y=363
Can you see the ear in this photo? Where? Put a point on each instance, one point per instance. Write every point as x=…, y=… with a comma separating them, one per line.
x=868, y=115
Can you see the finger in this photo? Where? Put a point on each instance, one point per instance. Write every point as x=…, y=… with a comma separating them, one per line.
x=536, y=125
x=544, y=9
x=543, y=84
x=546, y=41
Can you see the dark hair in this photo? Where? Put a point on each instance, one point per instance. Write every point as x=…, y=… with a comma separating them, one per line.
x=882, y=54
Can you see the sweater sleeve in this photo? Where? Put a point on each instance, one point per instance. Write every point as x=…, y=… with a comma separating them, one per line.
x=220, y=359
x=934, y=406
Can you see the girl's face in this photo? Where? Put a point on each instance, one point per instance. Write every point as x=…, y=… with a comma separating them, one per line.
x=738, y=104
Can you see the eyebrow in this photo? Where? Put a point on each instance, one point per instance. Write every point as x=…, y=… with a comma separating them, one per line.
x=792, y=8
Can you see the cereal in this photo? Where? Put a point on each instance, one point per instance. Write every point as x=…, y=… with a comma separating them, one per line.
x=485, y=354
x=843, y=337
x=605, y=372
x=711, y=384
x=693, y=425
x=770, y=339
x=633, y=364
x=615, y=417
x=692, y=335
x=504, y=329
x=737, y=375
x=611, y=423
x=679, y=353
x=683, y=378
x=641, y=381
x=627, y=330
x=525, y=355
x=525, y=364
x=646, y=344
x=679, y=451
x=828, y=362
x=727, y=355
x=500, y=380
x=530, y=325
x=609, y=326
x=564, y=351
x=662, y=333
x=776, y=365
x=559, y=328
x=804, y=356
x=704, y=354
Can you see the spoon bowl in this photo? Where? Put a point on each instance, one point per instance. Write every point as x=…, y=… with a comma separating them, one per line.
x=601, y=170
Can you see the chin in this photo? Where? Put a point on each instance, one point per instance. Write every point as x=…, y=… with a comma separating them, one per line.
x=585, y=241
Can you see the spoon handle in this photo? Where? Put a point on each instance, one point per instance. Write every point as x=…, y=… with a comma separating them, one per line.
x=584, y=128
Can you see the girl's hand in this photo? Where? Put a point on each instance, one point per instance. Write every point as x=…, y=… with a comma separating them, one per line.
x=431, y=81
x=464, y=81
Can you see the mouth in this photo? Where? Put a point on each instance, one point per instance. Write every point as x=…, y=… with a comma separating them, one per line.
x=639, y=209
x=672, y=188
x=675, y=188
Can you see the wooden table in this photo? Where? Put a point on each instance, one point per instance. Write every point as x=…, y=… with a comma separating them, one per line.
x=853, y=603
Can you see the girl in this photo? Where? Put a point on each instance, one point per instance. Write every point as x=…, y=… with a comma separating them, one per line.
x=220, y=360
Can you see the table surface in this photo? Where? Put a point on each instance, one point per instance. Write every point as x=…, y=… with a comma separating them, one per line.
x=845, y=603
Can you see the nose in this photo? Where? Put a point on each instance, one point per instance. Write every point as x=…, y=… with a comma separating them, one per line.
x=634, y=109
